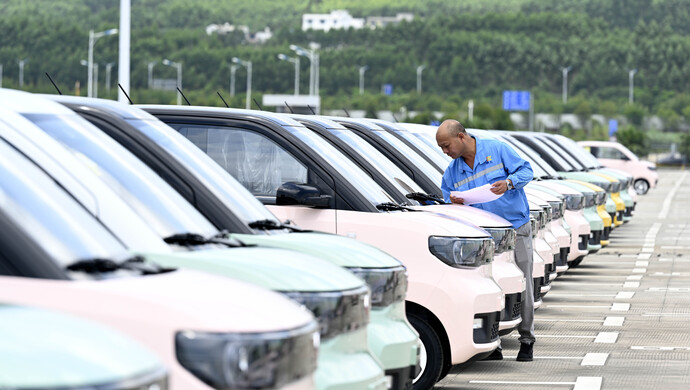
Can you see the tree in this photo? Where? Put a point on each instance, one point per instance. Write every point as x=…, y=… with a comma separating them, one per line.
x=634, y=139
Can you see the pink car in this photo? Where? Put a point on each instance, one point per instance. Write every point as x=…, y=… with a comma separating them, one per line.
x=617, y=156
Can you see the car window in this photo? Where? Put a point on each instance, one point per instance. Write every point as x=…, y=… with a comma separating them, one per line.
x=611, y=153
x=227, y=188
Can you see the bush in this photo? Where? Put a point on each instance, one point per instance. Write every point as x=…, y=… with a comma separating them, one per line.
x=634, y=139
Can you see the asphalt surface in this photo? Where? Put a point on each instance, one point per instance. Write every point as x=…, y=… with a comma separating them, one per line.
x=621, y=320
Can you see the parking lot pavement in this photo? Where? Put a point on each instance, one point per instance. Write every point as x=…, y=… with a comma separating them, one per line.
x=621, y=320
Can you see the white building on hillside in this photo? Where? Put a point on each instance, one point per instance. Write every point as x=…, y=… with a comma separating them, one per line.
x=336, y=20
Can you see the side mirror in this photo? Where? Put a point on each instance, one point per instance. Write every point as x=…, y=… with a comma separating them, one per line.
x=293, y=194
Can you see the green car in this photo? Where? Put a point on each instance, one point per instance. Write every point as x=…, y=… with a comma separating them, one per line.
x=229, y=206
x=42, y=349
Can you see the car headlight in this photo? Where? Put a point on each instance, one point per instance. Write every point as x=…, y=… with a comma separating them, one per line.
x=605, y=185
x=249, y=360
x=535, y=226
x=337, y=311
x=651, y=168
x=574, y=202
x=601, y=198
x=548, y=215
x=616, y=187
x=590, y=199
x=557, y=209
x=504, y=239
x=387, y=285
x=540, y=217
x=462, y=252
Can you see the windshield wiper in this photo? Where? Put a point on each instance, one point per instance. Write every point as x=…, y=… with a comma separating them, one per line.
x=388, y=206
x=422, y=197
x=270, y=224
x=99, y=265
x=194, y=239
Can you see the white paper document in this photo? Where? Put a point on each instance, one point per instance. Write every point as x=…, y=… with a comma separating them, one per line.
x=481, y=194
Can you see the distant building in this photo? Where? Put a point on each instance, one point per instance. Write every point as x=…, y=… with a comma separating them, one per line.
x=257, y=37
x=341, y=19
x=336, y=20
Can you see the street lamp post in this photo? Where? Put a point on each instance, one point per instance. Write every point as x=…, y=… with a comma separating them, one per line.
x=108, y=68
x=0, y=75
x=93, y=37
x=233, y=70
x=21, y=71
x=95, y=80
x=177, y=65
x=248, y=65
x=150, y=65
x=314, y=65
x=631, y=95
x=294, y=60
x=565, y=83
x=420, y=68
x=362, y=69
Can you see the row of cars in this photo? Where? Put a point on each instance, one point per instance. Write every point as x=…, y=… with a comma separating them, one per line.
x=166, y=223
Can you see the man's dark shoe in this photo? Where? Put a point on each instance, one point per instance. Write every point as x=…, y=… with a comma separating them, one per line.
x=525, y=354
x=495, y=355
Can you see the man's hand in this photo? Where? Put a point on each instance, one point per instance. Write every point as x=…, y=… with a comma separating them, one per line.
x=499, y=187
x=456, y=200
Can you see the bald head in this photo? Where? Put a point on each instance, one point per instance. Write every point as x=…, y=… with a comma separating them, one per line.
x=452, y=138
x=450, y=127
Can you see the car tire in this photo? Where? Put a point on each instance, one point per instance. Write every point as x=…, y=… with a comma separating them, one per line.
x=641, y=186
x=432, y=350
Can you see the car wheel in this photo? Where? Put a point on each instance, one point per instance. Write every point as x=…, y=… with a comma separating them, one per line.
x=431, y=357
x=641, y=186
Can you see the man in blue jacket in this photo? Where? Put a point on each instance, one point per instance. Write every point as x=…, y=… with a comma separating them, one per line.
x=477, y=162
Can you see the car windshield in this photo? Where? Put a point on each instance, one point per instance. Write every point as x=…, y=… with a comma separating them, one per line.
x=431, y=152
x=230, y=191
x=147, y=193
x=429, y=170
x=533, y=157
x=577, y=150
x=49, y=215
x=561, y=152
x=547, y=150
x=340, y=163
x=390, y=171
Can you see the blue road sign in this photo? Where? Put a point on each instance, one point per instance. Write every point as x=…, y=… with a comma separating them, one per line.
x=613, y=127
x=435, y=123
x=388, y=89
x=516, y=100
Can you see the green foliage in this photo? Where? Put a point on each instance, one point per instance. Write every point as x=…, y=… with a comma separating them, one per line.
x=473, y=49
x=634, y=139
x=684, y=146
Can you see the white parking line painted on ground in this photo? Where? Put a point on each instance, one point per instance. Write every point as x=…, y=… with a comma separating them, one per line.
x=666, y=315
x=594, y=359
x=634, y=277
x=625, y=295
x=651, y=348
x=620, y=307
x=587, y=383
x=606, y=337
x=644, y=256
x=642, y=263
x=639, y=270
x=674, y=247
x=553, y=294
x=558, y=336
x=628, y=256
x=525, y=383
x=666, y=274
x=631, y=284
x=547, y=357
x=666, y=207
x=614, y=321
x=557, y=320
x=668, y=289
x=581, y=306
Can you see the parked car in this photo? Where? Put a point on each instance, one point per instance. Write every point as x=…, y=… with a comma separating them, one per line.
x=56, y=255
x=303, y=178
x=44, y=349
x=616, y=155
x=229, y=206
x=338, y=298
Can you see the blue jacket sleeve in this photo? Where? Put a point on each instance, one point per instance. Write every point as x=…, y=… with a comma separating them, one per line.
x=519, y=171
x=446, y=185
